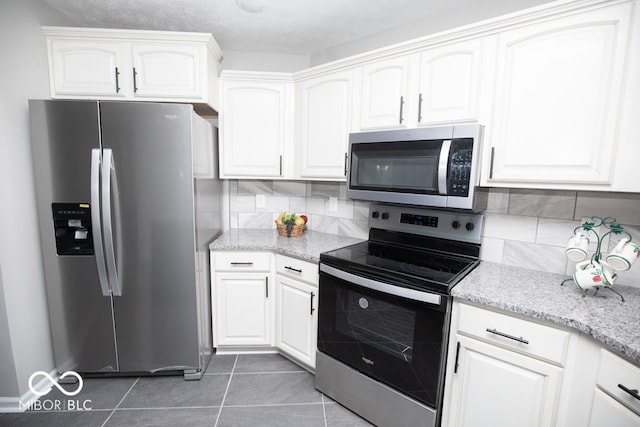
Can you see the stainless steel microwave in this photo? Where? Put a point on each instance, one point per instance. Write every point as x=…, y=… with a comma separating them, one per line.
x=430, y=166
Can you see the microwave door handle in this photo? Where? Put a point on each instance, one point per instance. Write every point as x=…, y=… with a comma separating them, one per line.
x=443, y=172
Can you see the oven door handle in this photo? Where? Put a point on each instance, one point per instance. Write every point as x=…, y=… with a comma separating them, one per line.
x=398, y=291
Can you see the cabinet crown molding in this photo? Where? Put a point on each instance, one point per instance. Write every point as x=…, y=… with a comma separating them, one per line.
x=135, y=35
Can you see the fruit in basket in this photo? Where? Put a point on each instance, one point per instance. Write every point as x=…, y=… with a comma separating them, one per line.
x=299, y=221
x=304, y=217
x=280, y=218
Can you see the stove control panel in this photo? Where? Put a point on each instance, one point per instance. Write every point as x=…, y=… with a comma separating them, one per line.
x=453, y=225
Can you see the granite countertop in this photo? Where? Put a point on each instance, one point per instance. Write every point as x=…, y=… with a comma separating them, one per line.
x=539, y=295
x=307, y=247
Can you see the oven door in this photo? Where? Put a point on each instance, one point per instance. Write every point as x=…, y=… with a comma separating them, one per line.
x=390, y=333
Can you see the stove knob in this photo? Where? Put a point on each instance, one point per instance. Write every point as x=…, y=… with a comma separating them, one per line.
x=375, y=214
x=385, y=215
x=455, y=224
x=470, y=226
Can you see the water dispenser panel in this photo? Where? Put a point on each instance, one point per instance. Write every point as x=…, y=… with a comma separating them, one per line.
x=72, y=225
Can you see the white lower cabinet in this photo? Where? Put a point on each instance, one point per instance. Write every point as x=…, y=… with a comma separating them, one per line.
x=262, y=305
x=497, y=387
x=243, y=299
x=297, y=319
x=616, y=399
x=244, y=309
x=502, y=370
x=533, y=373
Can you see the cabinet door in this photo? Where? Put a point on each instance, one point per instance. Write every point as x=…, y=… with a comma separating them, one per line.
x=166, y=71
x=384, y=93
x=297, y=319
x=497, y=387
x=87, y=68
x=325, y=123
x=558, y=90
x=606, y=412
x=244, y=309
x=450, y=83
x=253, y=128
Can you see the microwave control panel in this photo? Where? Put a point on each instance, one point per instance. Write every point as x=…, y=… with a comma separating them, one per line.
x=460, y=167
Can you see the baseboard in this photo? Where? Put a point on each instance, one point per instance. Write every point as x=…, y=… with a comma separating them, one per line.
x=22, y=403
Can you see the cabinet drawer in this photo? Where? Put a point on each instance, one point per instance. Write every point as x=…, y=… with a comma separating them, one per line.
x=616, y=373
x=531, y=338
x=242, y=261
x=297, y=269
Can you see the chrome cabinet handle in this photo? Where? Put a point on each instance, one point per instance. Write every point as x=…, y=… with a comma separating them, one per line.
x=266, y=287
x=135, y=87
x=511, y=337
x=401, y=108
x=493, y=152
x=312, y=309
x=248, y=264
x=293, y=269
x=280, y=165
x=633, y=392
x=420, y=108
x=117, y=82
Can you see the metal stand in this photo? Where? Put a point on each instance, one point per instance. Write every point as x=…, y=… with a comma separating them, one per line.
x=610, y=224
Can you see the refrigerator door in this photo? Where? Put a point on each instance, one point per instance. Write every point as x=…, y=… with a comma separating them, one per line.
x=153, y=233
x=63, y=134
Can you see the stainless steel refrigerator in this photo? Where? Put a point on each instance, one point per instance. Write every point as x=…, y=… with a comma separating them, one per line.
x=125, y=226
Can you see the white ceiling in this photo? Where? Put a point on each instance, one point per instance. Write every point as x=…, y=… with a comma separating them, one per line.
x=299, y=27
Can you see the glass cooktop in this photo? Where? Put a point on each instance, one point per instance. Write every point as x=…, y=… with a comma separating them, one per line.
x=414, y=267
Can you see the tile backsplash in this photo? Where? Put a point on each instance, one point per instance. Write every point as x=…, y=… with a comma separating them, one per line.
x=527, y=228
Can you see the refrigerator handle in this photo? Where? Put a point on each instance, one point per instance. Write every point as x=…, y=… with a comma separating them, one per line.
x=108, y=176
x=96, y=224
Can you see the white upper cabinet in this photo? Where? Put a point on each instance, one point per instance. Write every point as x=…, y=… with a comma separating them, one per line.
x=256, y=126
x=167, y=71
x=439, y=84
x=324, y=108
x=450, y=83
x=80, y=68
x=88, y=63
x=384, y=93
x=558, y=101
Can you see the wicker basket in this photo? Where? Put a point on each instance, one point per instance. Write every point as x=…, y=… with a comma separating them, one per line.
x=296, y=230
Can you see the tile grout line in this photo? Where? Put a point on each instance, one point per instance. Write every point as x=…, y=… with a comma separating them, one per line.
x=324, y=410
x=120, y=402
x=224, y=397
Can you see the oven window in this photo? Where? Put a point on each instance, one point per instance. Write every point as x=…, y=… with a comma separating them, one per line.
x=398, y=166
x=397, y=341
x=378, y=323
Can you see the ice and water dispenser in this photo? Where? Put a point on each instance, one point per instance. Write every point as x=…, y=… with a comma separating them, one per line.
x=72, y=224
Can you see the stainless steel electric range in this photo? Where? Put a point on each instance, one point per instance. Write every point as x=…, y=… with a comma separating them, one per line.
x=384, y=313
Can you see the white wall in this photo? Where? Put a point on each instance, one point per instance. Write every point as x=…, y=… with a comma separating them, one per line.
x=24, y=76
x=272, y=62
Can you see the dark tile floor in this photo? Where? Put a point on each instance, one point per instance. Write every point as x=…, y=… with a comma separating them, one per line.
x=245, y=390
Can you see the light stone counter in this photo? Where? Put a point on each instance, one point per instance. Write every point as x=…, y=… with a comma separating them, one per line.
x=307, y=247
x=537, y=294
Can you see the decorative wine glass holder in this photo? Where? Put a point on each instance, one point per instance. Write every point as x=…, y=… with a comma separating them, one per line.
x=598, y=273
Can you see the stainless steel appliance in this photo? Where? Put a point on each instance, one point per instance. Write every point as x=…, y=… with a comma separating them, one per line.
x=384, y=313
x=431, y=166
x=124, y=226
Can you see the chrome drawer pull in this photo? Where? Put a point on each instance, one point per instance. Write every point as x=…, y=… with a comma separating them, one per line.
x=633, y=393
x=511, y=337
x=242, y=263
x=293, y=269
